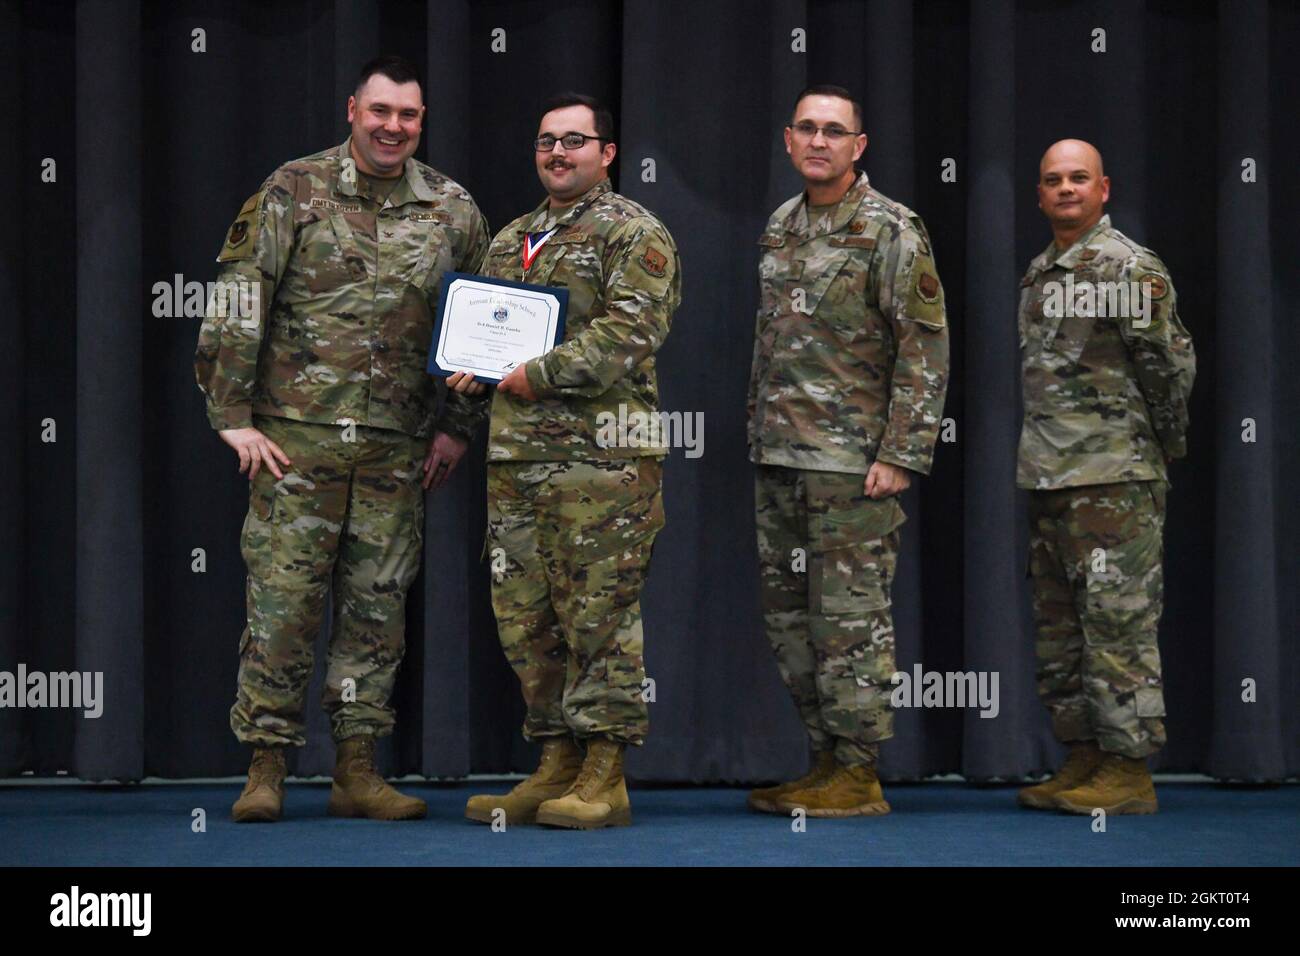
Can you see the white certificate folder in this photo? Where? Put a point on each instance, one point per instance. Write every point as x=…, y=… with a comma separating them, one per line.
x=491, y=326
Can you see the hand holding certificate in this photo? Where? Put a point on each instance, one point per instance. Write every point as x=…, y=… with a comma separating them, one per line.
x=489, y=327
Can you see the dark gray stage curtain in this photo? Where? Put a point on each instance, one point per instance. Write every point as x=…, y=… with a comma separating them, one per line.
x=157, y=145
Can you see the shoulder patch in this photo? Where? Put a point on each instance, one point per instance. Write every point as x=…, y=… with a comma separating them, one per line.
x=654, y=262
x=240, y=237
x=1157, y=284
x=927, y=287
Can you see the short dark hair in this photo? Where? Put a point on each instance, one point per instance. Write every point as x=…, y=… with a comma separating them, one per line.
x=829, y=89
x=603, y=117
x=396, y=68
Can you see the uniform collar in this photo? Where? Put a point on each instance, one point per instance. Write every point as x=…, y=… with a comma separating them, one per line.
x=411, y=187
x=797, y=220
x=573, y=213
x=1071, y=256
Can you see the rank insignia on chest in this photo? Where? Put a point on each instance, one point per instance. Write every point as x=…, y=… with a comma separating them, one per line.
x=238, y=232
x=856, y=226
x=1087, y=255
x=654, y=262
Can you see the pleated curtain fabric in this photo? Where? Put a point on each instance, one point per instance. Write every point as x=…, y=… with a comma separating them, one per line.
x=155, y=144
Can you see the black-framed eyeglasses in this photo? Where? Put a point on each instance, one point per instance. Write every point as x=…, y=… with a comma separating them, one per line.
x=546, y=142
x=834, y=133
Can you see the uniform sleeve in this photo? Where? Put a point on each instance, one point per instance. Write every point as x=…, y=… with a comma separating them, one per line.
x=463, y=415
x=910, y=297
x=751, y=402
x=476, y=244
x=252, y=260
x=642, y=289
x=1162, y=354
x=762, y=349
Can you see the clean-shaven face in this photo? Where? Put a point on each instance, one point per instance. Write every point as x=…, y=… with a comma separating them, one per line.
x=386, y=118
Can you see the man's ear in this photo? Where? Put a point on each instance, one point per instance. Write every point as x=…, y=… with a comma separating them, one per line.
x=608, y=154
x=858, y=152
x=352, y=109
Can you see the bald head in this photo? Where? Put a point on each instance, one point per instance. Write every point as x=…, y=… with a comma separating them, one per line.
x=1072, y=188
x=1072, y=152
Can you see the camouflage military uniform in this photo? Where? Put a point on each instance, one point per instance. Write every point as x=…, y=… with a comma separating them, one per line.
x=850, y=367
x=330, y=364
x=572, y=515
x=1105, y=403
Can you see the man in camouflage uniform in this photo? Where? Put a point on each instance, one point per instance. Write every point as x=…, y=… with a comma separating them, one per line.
x=573, y=506
x=849, y=376
x=318, y=382
x=1107, y=370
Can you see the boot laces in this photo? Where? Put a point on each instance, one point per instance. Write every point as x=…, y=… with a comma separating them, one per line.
x=266, y=769
x=363, y=764
x=593, y=772
x=1112, y=770
x=1076, y=762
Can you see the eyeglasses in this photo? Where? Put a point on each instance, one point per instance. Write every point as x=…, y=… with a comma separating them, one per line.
x=834, y=133
x=546, y=142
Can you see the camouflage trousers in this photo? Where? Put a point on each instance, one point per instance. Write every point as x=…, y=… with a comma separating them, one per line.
x=350, y=514
x=827, y=555
x=1095, y=557
x=568, y=544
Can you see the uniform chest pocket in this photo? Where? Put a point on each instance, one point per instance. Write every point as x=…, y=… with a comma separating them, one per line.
x=1064, y=311
x=1070, y=337
x=503, y=262
x=811, y=279
x=320, y=262
x=425, y=254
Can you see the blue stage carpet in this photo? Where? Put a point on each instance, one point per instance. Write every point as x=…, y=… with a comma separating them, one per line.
x=932, y=824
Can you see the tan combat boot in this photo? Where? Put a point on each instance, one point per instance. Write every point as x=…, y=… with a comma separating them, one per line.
x=264, y=793
x=1119, y=785
x=598, y=797
x=359, y=791
x=561, y=760
x=846, y=792
x=764, y=801
x=1078, y=767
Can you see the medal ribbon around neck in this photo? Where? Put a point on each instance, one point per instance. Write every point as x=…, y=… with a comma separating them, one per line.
x=533, y=243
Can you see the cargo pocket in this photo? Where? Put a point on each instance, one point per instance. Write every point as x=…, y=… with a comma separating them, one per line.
x=634, y=485
x=857, y=549
x=623, y=672
x=262, y=493
x=1149, y=702
x=1123, y=601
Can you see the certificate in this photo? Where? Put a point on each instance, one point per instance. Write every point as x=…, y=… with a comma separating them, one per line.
x=491, y=326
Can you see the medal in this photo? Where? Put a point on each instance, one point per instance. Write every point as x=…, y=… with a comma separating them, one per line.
x=533, y=243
